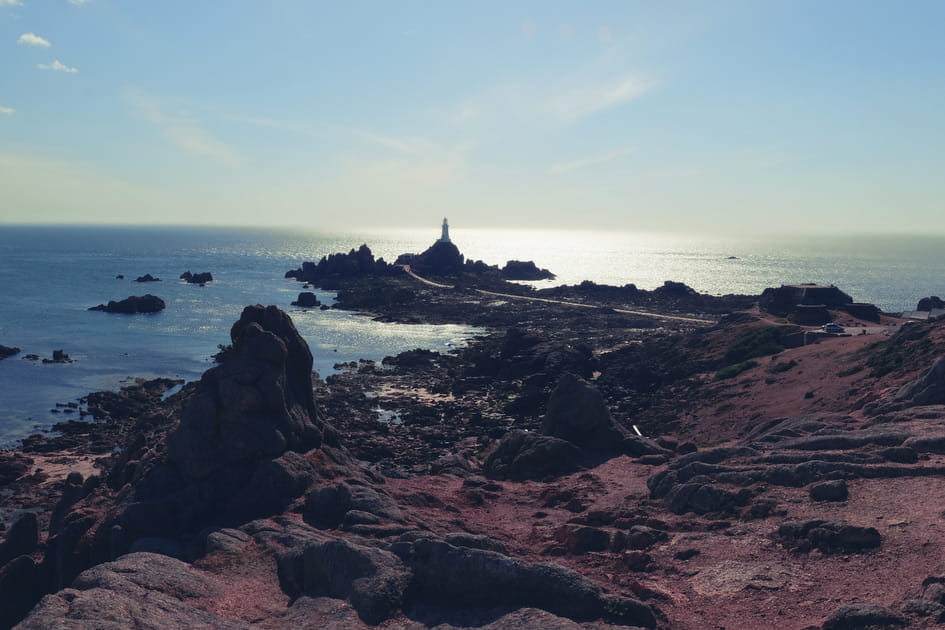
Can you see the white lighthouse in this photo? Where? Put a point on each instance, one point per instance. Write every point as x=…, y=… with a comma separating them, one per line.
x=445, y=238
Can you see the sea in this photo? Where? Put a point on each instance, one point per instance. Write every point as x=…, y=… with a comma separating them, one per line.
x=51, y=275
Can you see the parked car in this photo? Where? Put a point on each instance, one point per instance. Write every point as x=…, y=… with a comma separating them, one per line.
x=832, y=327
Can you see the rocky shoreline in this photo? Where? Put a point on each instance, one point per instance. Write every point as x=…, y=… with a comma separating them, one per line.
x=602, y=457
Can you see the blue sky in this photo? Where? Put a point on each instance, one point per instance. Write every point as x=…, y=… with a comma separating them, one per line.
x=717, y=116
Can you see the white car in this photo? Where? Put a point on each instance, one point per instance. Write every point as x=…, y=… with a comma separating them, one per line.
x=832, y=327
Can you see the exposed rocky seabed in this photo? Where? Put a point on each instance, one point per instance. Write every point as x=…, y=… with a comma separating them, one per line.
x=602, y=457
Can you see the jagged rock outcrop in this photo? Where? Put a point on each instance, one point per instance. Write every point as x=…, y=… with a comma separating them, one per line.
x=440, y=259
x=331, y=270
x=147, y=278
x=238, y=450
x=250, y=441
x=133, y=304
x=6, y=351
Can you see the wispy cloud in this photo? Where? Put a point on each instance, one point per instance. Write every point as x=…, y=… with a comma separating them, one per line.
x=183, y=131
x=412, y=146
x=590, y=160
x=10, y=3
x=79, y=2
x=32, y=39
x=423, y=162
x=7, y=111
x=548, y=103
x=57, y=66
x=574, y=103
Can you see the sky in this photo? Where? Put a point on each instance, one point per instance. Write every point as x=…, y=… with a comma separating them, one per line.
x=719, y=117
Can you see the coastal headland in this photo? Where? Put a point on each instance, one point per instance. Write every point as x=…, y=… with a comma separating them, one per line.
x=601, y=457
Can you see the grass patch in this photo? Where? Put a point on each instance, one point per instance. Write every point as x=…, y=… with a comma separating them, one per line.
x=889, y=355
x=782, y=366
x=732, y=371
x=758, y=342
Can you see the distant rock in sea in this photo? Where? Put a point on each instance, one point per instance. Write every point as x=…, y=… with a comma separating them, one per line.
x=147, y=278
x=8, y=352
x=307, y=299
x=197, y=278
x=58, y=356
x=133, y=304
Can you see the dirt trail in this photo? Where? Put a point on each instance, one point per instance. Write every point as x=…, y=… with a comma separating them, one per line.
x=511, y=296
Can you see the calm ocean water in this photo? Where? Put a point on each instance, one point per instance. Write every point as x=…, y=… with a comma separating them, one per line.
x=49, y=276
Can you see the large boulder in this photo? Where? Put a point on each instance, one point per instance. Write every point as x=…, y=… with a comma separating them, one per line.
x=576, y=412
x=247, y=443
x=256, y=405
x=372, y=580
x=139, y=590
x=521, y=455
x=446, y=575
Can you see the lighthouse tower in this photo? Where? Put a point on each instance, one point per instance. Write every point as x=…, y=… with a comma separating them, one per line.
x=445, y=238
